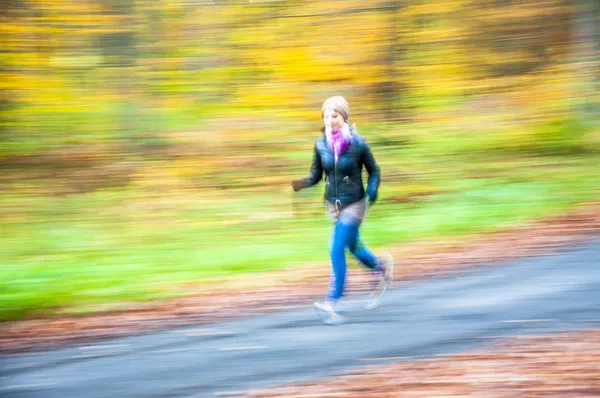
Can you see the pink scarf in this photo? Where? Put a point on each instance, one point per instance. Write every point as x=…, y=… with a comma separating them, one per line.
x=339, y=140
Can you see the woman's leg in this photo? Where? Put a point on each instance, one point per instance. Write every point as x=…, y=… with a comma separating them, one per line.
x=344, y=233
x=362, y=253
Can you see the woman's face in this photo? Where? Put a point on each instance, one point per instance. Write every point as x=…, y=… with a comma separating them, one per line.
x=333, y=119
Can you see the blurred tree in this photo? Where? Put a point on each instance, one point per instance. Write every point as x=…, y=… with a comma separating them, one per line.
x=119, y=51
x=586, y=58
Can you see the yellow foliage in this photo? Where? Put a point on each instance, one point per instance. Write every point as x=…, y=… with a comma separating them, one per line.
x=62, y=56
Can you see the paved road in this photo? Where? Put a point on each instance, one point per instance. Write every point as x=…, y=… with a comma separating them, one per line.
x=434, y=316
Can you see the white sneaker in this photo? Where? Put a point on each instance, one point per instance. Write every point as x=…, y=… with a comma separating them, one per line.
x=388, y=274
x=326, y=310
x=384, y=282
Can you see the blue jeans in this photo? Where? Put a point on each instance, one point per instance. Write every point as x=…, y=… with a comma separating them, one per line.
x=346, y=235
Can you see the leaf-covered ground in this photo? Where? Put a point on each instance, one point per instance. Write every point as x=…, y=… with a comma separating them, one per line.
x=559, y=365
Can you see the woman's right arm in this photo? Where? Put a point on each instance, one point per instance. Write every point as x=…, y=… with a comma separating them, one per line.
x=315, y=175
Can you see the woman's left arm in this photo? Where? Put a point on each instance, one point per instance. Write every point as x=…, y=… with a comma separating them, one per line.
x=374, y=173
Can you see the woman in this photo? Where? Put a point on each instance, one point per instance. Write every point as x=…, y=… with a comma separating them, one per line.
x=341, y=153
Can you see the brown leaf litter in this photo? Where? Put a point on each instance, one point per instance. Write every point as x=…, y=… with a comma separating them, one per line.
x=565, y=365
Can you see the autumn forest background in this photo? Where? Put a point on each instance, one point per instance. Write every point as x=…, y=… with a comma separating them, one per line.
x=147, y=147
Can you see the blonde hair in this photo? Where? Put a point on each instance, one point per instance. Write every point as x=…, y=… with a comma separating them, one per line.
x=339, y=104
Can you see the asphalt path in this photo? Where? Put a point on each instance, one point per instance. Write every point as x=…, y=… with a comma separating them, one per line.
x=435, y=316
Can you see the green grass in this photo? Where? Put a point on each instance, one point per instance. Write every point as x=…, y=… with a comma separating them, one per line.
x=72, y=253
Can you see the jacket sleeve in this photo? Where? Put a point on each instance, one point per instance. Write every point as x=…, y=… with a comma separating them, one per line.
x=373, y=170
x=316, y=171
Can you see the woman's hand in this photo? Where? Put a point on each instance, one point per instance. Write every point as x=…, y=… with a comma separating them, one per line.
x=297, y=185
x=371, y=199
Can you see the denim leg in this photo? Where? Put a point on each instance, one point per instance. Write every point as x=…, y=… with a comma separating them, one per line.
x=343, y=235
x=362, y=252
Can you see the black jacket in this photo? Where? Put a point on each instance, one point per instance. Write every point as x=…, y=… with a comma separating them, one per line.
x=343, y=181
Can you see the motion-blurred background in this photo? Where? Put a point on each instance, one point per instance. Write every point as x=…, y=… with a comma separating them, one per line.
x=147, y=146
